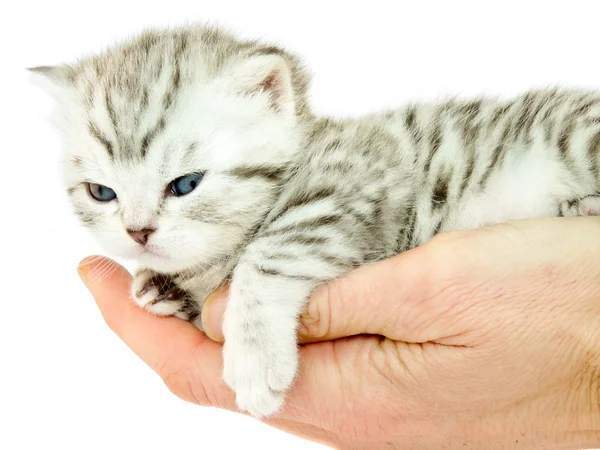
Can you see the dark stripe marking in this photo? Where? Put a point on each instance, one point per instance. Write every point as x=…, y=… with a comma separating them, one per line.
x=435, y=141
x=467, y=176
x=333, y=145
x=564, y=138
x=304, y=240
x=101, y=138
x=277, y=273
x=437, y=227
x=151, y=135
x=497, y=157
x=308, y=224
x=526, y=106
x=440, y=192
x=304, y=199
x=268, y=173
x=110, y=109
x=592, y=151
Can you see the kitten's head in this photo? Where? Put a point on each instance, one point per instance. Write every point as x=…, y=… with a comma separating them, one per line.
x=176, y=140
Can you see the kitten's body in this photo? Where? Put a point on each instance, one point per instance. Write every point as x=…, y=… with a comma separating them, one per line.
x=289, y=200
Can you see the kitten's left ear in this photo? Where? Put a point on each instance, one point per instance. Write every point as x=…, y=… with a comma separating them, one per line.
x=55, y=80
x=269, y=75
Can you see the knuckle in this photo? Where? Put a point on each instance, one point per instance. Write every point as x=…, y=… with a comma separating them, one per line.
x=449, y=242
x=446, y=268
x=447, y=253
x=315, y=322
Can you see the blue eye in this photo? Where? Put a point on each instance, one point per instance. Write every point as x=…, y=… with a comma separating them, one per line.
x=101, y=193
x=185, y=184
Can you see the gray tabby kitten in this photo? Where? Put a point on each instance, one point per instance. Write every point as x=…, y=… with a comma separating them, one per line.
x=198, y=155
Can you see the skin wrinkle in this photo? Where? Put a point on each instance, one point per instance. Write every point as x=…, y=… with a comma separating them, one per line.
x=182, y=382
x=381, y=363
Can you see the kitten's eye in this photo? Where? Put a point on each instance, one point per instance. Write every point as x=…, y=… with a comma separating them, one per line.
x=101, y=193
x=185, y=184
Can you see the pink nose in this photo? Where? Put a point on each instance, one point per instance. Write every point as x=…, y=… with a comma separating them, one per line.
x=141, y=236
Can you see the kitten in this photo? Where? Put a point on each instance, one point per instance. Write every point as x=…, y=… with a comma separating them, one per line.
x=198, y=155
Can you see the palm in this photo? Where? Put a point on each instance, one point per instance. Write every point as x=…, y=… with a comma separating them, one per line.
x=469, y=335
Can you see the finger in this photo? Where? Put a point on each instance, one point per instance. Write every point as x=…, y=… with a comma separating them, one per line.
x=173, y=348
x=152, y=338
x=384, y=299
x=395, y=298
x=212, y=314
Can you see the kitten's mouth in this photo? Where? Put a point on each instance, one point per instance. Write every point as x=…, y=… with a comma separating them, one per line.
x=159, y=260
x=152, y=251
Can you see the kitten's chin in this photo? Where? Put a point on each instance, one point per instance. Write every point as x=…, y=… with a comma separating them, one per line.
x=161, y=264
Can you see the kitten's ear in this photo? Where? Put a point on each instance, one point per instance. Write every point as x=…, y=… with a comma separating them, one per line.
x=268, y=75
x=55, y=80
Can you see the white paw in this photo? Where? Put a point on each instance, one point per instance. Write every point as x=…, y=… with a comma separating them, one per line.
x=260, y=368
x=158, y=293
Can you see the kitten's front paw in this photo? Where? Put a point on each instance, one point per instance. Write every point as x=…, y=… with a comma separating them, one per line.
x=259, y=368
x=161, y=295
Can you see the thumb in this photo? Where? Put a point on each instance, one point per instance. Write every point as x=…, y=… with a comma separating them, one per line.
x=394, y=298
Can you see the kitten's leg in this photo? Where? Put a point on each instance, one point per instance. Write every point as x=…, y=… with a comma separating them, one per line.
x=166, y=295
x=586, y=206
x=260, y=352
x=270, y=286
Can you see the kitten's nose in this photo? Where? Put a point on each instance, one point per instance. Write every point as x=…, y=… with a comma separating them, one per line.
x=141, y=236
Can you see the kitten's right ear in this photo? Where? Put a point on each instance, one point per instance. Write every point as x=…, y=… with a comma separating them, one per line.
x=266, y=74
x=55, y=80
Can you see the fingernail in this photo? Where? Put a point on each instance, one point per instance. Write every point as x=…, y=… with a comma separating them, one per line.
x=84, y=267
x=212, y=314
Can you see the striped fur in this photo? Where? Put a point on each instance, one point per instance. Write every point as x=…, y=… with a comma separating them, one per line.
x=289, y=200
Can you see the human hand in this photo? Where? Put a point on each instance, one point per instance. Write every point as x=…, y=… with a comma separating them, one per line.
x=478, y=338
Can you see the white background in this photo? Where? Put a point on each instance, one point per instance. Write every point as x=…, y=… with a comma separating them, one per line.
x=65, y=380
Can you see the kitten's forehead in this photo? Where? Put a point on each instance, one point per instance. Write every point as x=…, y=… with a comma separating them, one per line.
x=166, y=96
x=147, y=133
x=129, y=95
x=133, y=95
